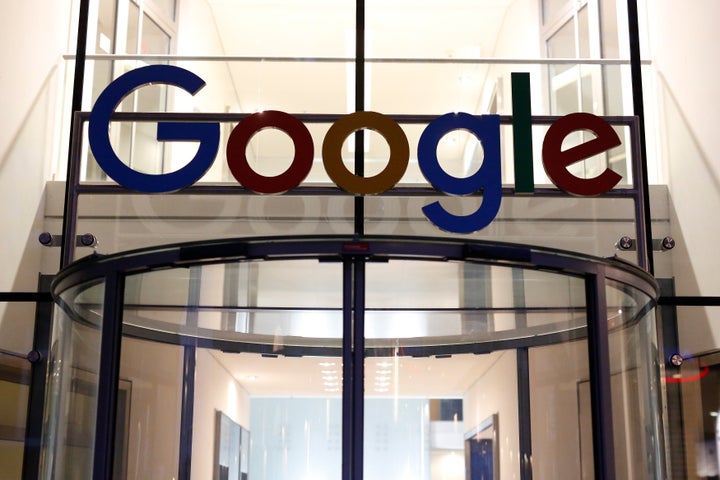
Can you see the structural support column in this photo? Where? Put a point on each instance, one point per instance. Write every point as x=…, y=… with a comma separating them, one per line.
x=36, y=397
x=639, y=110
x=109, y=372
x=353, y=421
x=188, y=386
x=600, y=388
x=69, y=217
x=359, y=213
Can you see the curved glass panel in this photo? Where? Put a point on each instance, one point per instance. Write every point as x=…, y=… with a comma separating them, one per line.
x=636, y=368
x=74, y=358
x=286, y=359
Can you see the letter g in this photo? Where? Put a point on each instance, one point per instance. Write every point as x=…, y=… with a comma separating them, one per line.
x=208, y=134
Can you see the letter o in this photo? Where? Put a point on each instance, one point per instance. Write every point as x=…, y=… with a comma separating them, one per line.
x=385, y=126
x=249, y=126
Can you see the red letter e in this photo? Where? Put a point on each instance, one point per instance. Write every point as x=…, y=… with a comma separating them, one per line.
x=556, y=160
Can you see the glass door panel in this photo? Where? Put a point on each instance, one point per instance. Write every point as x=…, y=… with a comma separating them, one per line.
x=428, y=413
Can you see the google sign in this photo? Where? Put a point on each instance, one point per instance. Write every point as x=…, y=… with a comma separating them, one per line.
x=485, y=127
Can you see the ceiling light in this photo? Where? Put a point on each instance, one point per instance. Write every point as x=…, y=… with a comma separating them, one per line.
x=383, y=372
x=327, y=364
x=382, y=379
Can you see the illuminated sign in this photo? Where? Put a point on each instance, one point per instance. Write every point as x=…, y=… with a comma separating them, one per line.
x=486, y=128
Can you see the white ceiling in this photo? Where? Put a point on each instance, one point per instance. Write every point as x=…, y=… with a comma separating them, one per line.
x=309, y=376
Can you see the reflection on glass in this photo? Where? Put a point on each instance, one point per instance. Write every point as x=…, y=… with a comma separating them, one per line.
x=560, y=411
x=69, y=422
x=635, y=364
x=149, y=407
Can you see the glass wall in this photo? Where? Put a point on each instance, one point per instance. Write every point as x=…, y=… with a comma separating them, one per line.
x=417, y=62
x=332, y=358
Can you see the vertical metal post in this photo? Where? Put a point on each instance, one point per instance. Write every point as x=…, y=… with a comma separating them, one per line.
x=359, y=363
x=359, y=107
x=639, y=110
x=69, y=217
x=187, y=410
x=599, y=362
x=524, y=428
x=108, y=375
x=353, y=367
x=641, y=218
x=348, y=372
x=36, y=397
x=676, y=461
x=67, y=248
x=523, y=377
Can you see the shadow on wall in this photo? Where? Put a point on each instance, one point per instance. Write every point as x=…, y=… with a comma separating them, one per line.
x=23, y=173
x=694, y=197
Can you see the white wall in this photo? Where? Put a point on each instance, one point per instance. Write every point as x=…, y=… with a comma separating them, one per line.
x=35, y=34
x=555, y=373
x=155, y=373
x=682, y=41
x=215, y=389
x=495, y=391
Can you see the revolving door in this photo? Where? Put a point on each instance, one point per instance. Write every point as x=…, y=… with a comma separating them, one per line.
x=353, y=358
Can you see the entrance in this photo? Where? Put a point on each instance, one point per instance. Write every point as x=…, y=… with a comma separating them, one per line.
x=353, y=358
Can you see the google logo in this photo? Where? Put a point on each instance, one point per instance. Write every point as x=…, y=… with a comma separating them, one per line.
x=485, y=127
